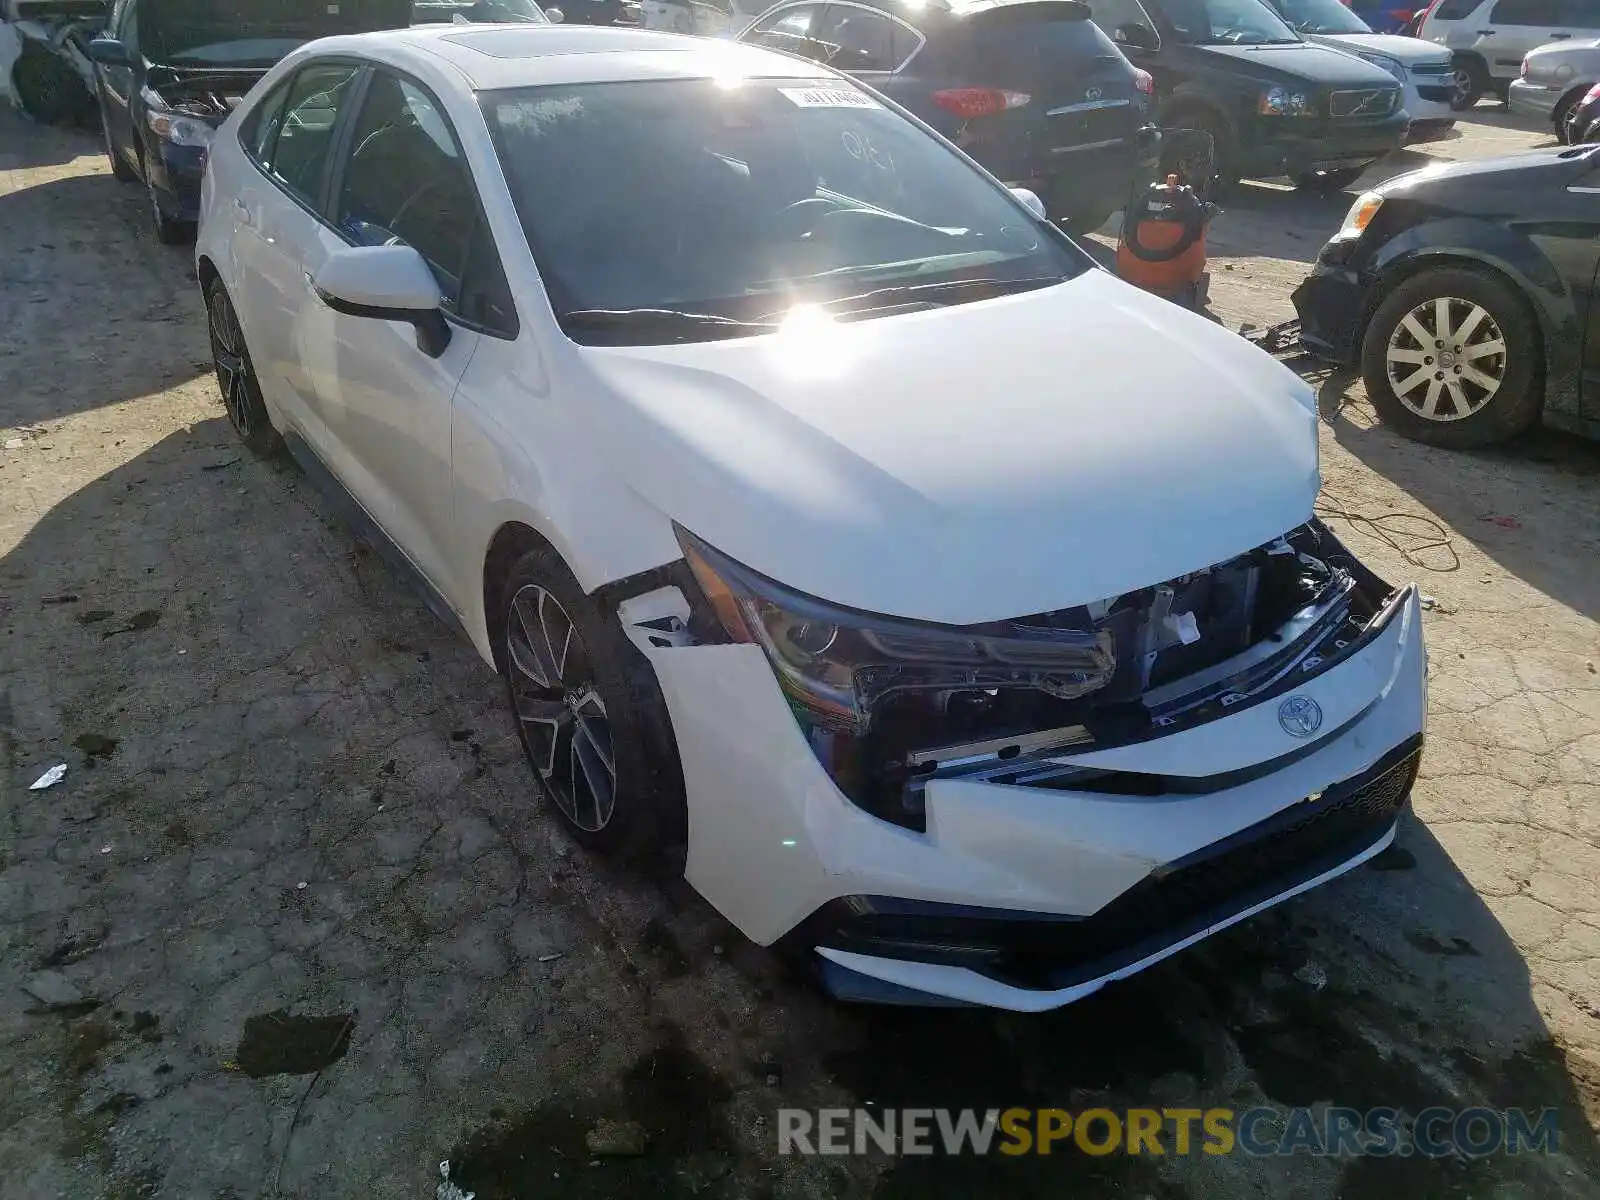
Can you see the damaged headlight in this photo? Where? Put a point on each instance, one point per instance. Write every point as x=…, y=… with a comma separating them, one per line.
x=837, y=662
x=174, y=127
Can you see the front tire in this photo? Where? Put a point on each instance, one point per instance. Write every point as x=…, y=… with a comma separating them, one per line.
x=1469, y=81
x=169, y=232
x=1453, y=357
x=589, y=713
x=120, y=170
x=236, y=375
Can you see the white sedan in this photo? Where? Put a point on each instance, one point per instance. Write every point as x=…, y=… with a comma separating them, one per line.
x=942, y=605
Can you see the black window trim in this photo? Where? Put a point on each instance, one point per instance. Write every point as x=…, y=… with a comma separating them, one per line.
x=341, y=129
x=339, y=154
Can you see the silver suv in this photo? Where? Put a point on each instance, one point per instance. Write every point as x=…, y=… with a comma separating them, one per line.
x=1489, y=38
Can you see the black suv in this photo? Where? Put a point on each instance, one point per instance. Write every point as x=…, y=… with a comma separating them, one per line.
x=1029, y=88
x=1274, y=103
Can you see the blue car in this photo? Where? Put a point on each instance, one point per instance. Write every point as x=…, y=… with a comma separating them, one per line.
x=168, y=72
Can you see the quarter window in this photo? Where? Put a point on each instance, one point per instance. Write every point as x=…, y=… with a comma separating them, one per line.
x=855, y=39
x=302, y=148
x=406, y=180
x=1526, y=12
x=260, y=129
x=789, y=31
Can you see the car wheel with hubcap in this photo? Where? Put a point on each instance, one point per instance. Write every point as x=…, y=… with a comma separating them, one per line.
x=236, y=375
x=1468, y=82
x=1453, y=357
x=589, y=713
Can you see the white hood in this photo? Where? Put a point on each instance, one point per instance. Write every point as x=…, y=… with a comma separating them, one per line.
x=970, y=463
x=1408, y=51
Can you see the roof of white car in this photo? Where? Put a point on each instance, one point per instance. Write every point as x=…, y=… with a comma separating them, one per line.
x=507, y=56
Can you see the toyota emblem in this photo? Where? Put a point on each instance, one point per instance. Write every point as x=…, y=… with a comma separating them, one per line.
x=1093, y=93
x=1300, y=716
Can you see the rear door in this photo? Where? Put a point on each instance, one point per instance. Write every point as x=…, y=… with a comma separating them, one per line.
x=1513, y=27
x=1065, y=85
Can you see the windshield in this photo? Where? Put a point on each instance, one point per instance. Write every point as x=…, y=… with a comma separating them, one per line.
x=1227, y=23
x=436, y=12
x=1321, y=16
x=687, y=198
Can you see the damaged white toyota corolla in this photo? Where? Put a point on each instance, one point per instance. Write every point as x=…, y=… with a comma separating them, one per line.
x=957, y=610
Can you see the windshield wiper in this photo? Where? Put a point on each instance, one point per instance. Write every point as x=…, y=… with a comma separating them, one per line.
x=901, y=293
x=662, y=321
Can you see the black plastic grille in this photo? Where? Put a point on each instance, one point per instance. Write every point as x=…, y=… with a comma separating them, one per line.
x=1363, y=102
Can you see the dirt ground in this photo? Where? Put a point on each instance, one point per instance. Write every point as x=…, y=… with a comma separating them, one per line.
x=291, y=925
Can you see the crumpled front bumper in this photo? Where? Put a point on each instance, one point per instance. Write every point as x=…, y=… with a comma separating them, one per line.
x=772, y=841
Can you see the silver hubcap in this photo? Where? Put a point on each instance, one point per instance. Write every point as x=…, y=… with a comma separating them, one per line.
x=233, y=373
x=564, y=722
x=1446, y=359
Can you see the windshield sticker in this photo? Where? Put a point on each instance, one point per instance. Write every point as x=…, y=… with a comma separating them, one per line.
x=829, y=97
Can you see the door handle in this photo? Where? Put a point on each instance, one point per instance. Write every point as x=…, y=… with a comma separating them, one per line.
x=1559, y=37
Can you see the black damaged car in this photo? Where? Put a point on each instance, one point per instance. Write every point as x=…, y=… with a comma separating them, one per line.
x=170, y=71
x=1465, y=293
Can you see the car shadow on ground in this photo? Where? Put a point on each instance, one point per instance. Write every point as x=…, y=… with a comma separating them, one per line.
x=28, y=143
x=246, y=700
x=1529, y=505
x=61, y=350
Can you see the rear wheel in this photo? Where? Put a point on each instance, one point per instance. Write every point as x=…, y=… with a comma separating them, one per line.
x=236, y=375
x=1454, y=357
x=1469, y=80
x=1563, y=111
x=589, y=712
x=1328, y=182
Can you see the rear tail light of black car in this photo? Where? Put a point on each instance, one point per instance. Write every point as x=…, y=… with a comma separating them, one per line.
x=970, y=102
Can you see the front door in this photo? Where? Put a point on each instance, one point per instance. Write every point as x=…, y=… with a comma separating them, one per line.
x=116, y=83
x=383, y=404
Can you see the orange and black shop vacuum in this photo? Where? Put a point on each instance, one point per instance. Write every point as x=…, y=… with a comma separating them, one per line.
x=1163, y=244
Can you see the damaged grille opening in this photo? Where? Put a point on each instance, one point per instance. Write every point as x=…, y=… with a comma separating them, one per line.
x=207, y=96
x=1184, y=650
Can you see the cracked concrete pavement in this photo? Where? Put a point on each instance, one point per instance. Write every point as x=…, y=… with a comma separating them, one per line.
x=293, y=926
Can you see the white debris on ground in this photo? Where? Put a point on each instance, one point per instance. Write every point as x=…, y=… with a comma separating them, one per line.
x=50, y=778
x=447, y=1190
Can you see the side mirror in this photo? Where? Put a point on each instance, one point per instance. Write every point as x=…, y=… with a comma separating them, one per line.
x=385, y=283
x=1140, y=37
x=1030, y=201
x=556, y=15
x=109, y=52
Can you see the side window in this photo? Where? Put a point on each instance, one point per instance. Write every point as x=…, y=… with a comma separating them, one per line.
x=406, y=180
x=1112, y=15
x=1580, y=14
x=1526, y=12
x=1455, y=10
x=788, y=30
x=259, y=132
x=304, y=142
x=485, y=296
x=855, y=39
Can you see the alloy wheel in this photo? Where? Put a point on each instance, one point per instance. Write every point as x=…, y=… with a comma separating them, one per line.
x=1446, y=359
x=233, y=369
x=1463, y=86
x=564, y=722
